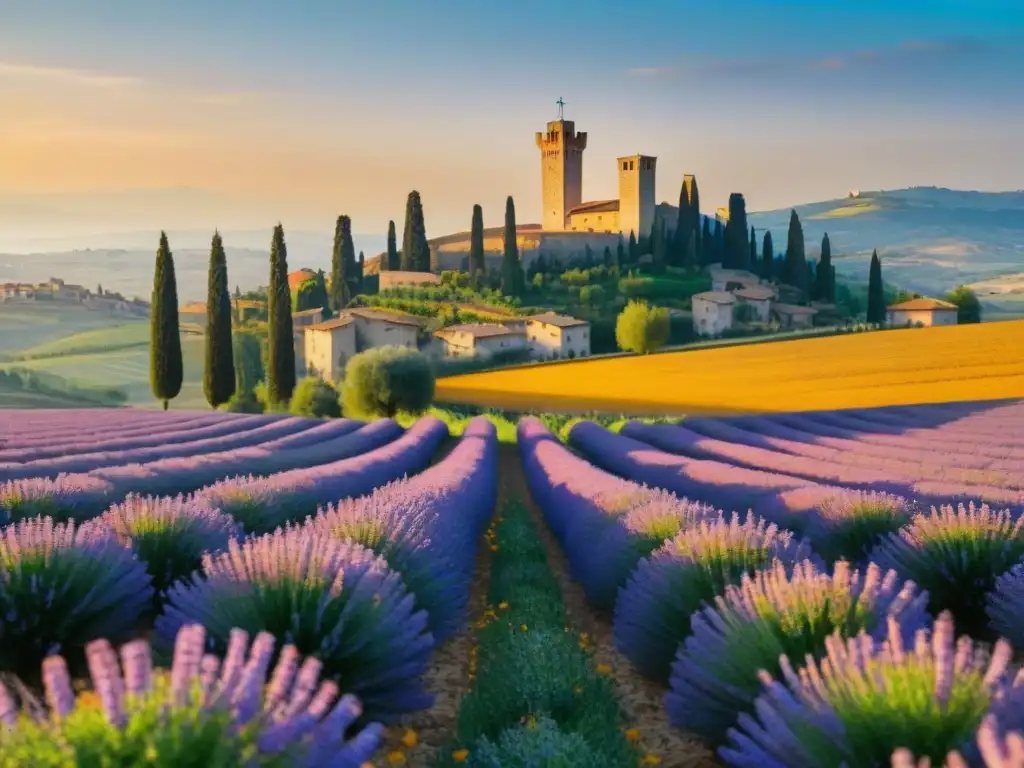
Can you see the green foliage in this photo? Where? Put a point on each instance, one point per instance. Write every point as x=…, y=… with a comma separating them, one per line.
x=344, y=278
x=968, y=306
x=316, y=398
x=219, y=370
x=655, y=288
x=592, y=294
x=767, y=257
x=52, y=385
x=876, y=291
x=248, y=362
x=415, y=249
x=511, y=269
x=281, y=343
x=390, y=262
x=737, y=250
x=385, y=380
x=312, y=294
x=795, y=271
x=242, y=402
x=165, y=367
x=825, y=282
x=477, y=265
x=641, y=328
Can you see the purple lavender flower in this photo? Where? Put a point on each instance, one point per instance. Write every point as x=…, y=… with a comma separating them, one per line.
x=331, y=599
x=1005, y=606
x=61, y=587
x=204, y=708
x=866, y=699
x=773, y=614
x=956, y=556
x=64, y=498
x=169, y=535
x=849, y=524
x=652, y=613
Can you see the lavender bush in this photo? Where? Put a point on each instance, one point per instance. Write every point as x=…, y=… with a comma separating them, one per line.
x=865, y=700
x=202, y=711
x=850, y=524
x=61, y=587
x=333, y=600
x=771, y=615
x=64, y=498
x=652, y=613
x=956, y=555
x=1005, y=607
x=996, y=751
x=169, y=535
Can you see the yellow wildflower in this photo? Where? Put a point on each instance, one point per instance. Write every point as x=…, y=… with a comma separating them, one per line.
x=460, y=755
x=603, y=669
x=396, y=758
x=503, y=604
x=632, y=735
x=410, y=739
x=522, y=627
x=651, y=759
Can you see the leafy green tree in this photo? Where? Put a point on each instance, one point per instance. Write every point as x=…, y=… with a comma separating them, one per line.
x=219, y=369
x=415, y=248
x=385, y=380
x=592, y=295
x=248, y=358
x=620, y=253
x=477, y=264
x=312, y=293
x=736, y=248
x=705, y=246
x=967, y=304
x=634, y=248
x=795, y=272
x=165, y=366
x=340, y=295
x=511, y=270
x=315, y=398
x=280, y=334
x=390, y=261
x=876, y=291
x=609, y=260
x=767, y=256
x=641, y=328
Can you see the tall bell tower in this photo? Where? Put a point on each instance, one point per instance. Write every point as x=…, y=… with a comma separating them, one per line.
x=561, y=170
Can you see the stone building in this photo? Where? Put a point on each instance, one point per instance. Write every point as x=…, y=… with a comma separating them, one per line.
x=480, y=339
x=558, y=336
x=328, y=346
x=712, y=312
x=926, y=312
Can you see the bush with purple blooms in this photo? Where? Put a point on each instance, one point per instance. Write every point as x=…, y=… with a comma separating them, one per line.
x=773, y=614
x=997, y=751
x=865, y=700
x=138, y=716
x=169, y=535
x=61, y=587
x=334, y=600
x=1005, y=606
x=956, y=555
x=849, y=525
x=62, y=498
x=652, y=613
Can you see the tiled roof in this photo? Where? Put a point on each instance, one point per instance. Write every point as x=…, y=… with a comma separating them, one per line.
x=559, y=321
x=716, y=297
x=597, y=206
x=386, y=317
x=919, y=305
x=793, y=309
x=308, y=312
x=330, y=325
x=479, y=330
x=298, y=277
x=755, y=292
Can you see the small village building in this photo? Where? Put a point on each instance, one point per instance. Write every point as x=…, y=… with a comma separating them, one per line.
x=396, y=279
x=712, y=312
x=794, y=315
x=731, y=279
x=480, y=339
x=558, y=336
x=759, y=299
x=379, y=328
x=926, y=312
x=328, y=346
x=307, y=317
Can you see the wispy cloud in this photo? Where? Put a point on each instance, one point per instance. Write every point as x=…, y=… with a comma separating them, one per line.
x=904, y=54
x=78, y=77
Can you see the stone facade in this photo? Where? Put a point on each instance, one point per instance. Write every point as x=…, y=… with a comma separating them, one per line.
x=480, y=339
x=926, y=312
x=328, y=347
x=561, y=150
x=636, y=194
x=557, y=336
x=712, y=312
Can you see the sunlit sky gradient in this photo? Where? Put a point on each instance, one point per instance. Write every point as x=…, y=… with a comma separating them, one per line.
x=252, y=111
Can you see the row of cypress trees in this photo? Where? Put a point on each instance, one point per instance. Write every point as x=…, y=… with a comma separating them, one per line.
x=166, y=371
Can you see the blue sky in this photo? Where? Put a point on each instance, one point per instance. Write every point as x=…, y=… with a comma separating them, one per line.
x=303, y=110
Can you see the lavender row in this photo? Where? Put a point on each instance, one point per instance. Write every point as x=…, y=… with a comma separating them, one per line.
x=68, y=425
x=262, y=433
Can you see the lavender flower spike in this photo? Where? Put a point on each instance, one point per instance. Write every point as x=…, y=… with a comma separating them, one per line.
x=63, y=498
x=652, y=613
x=865, y=700
x=850, y=523
x=295, y=723
x=1006, y=606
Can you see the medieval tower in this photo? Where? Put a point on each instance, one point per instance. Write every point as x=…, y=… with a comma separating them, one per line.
x=636, y=194
x=561, y=150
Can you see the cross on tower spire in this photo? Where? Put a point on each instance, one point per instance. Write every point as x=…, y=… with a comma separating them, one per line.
x=561, y=106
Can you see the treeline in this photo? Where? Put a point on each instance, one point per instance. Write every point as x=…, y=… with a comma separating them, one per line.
x=52, y=385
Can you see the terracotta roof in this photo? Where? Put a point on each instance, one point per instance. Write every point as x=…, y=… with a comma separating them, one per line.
x=920, y=305
x=479, y=330
x=308, y=312
x=755, y=292
x=387, y=317
x=716, y=297
x=330, y=325
x=298, y=277
x=559, y=321
x=598, y=206
x=196, y=306
x=794, y=309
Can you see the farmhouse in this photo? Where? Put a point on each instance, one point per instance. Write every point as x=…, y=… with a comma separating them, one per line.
x=731, y=279
x=759, y=299
x=328, y=346
x=794, y=315
x=379, y=328
x=558, y=336
x=396, y=279
x=925, y=312
x=480, y=339
x=712, y=312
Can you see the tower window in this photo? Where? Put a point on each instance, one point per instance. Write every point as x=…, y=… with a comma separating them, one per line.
x=625, y=165
x=631, y=165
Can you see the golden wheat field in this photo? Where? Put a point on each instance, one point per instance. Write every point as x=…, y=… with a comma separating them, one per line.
x=899, y=367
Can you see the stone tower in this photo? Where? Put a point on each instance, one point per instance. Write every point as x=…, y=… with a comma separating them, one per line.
x=561, y=171
x=636, y=194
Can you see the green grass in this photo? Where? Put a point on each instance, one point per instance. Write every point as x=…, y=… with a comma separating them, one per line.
x=31, y=324
x=846, y=211
x=10, y=399
x=133, y=333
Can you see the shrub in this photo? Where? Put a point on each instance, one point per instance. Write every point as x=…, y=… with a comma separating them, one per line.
x=641, y=328
x=652, y=613
x=771, y=615
x=63, y=498
x=317, y=398
x=61, y=587
x=243, y=403
x=145, y=717
x=386, y=380
x=592, y=294
x=333, y=600
x=867, y=699
x=538, y=741
x=850, y=524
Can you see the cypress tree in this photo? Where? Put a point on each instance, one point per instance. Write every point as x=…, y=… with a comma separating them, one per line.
x=339, y=268
x=684, y=225
x=219, y=371
x=752, y=262
x=718, y=246
x=477, y=263
x=165, y=367
x=695, y=225
x=348, y=258
x=390, y=260
x=736, y=249
x=280, y=335
x=767, y=256
x=704, y=244
x=360, y=272
x=876, y=292
x=608, y=259
x=658, y=246
x=620, y=253
x=633, y=248
x=415, y=249
x=795, y=272
x=823, y=289
x=511, y=272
